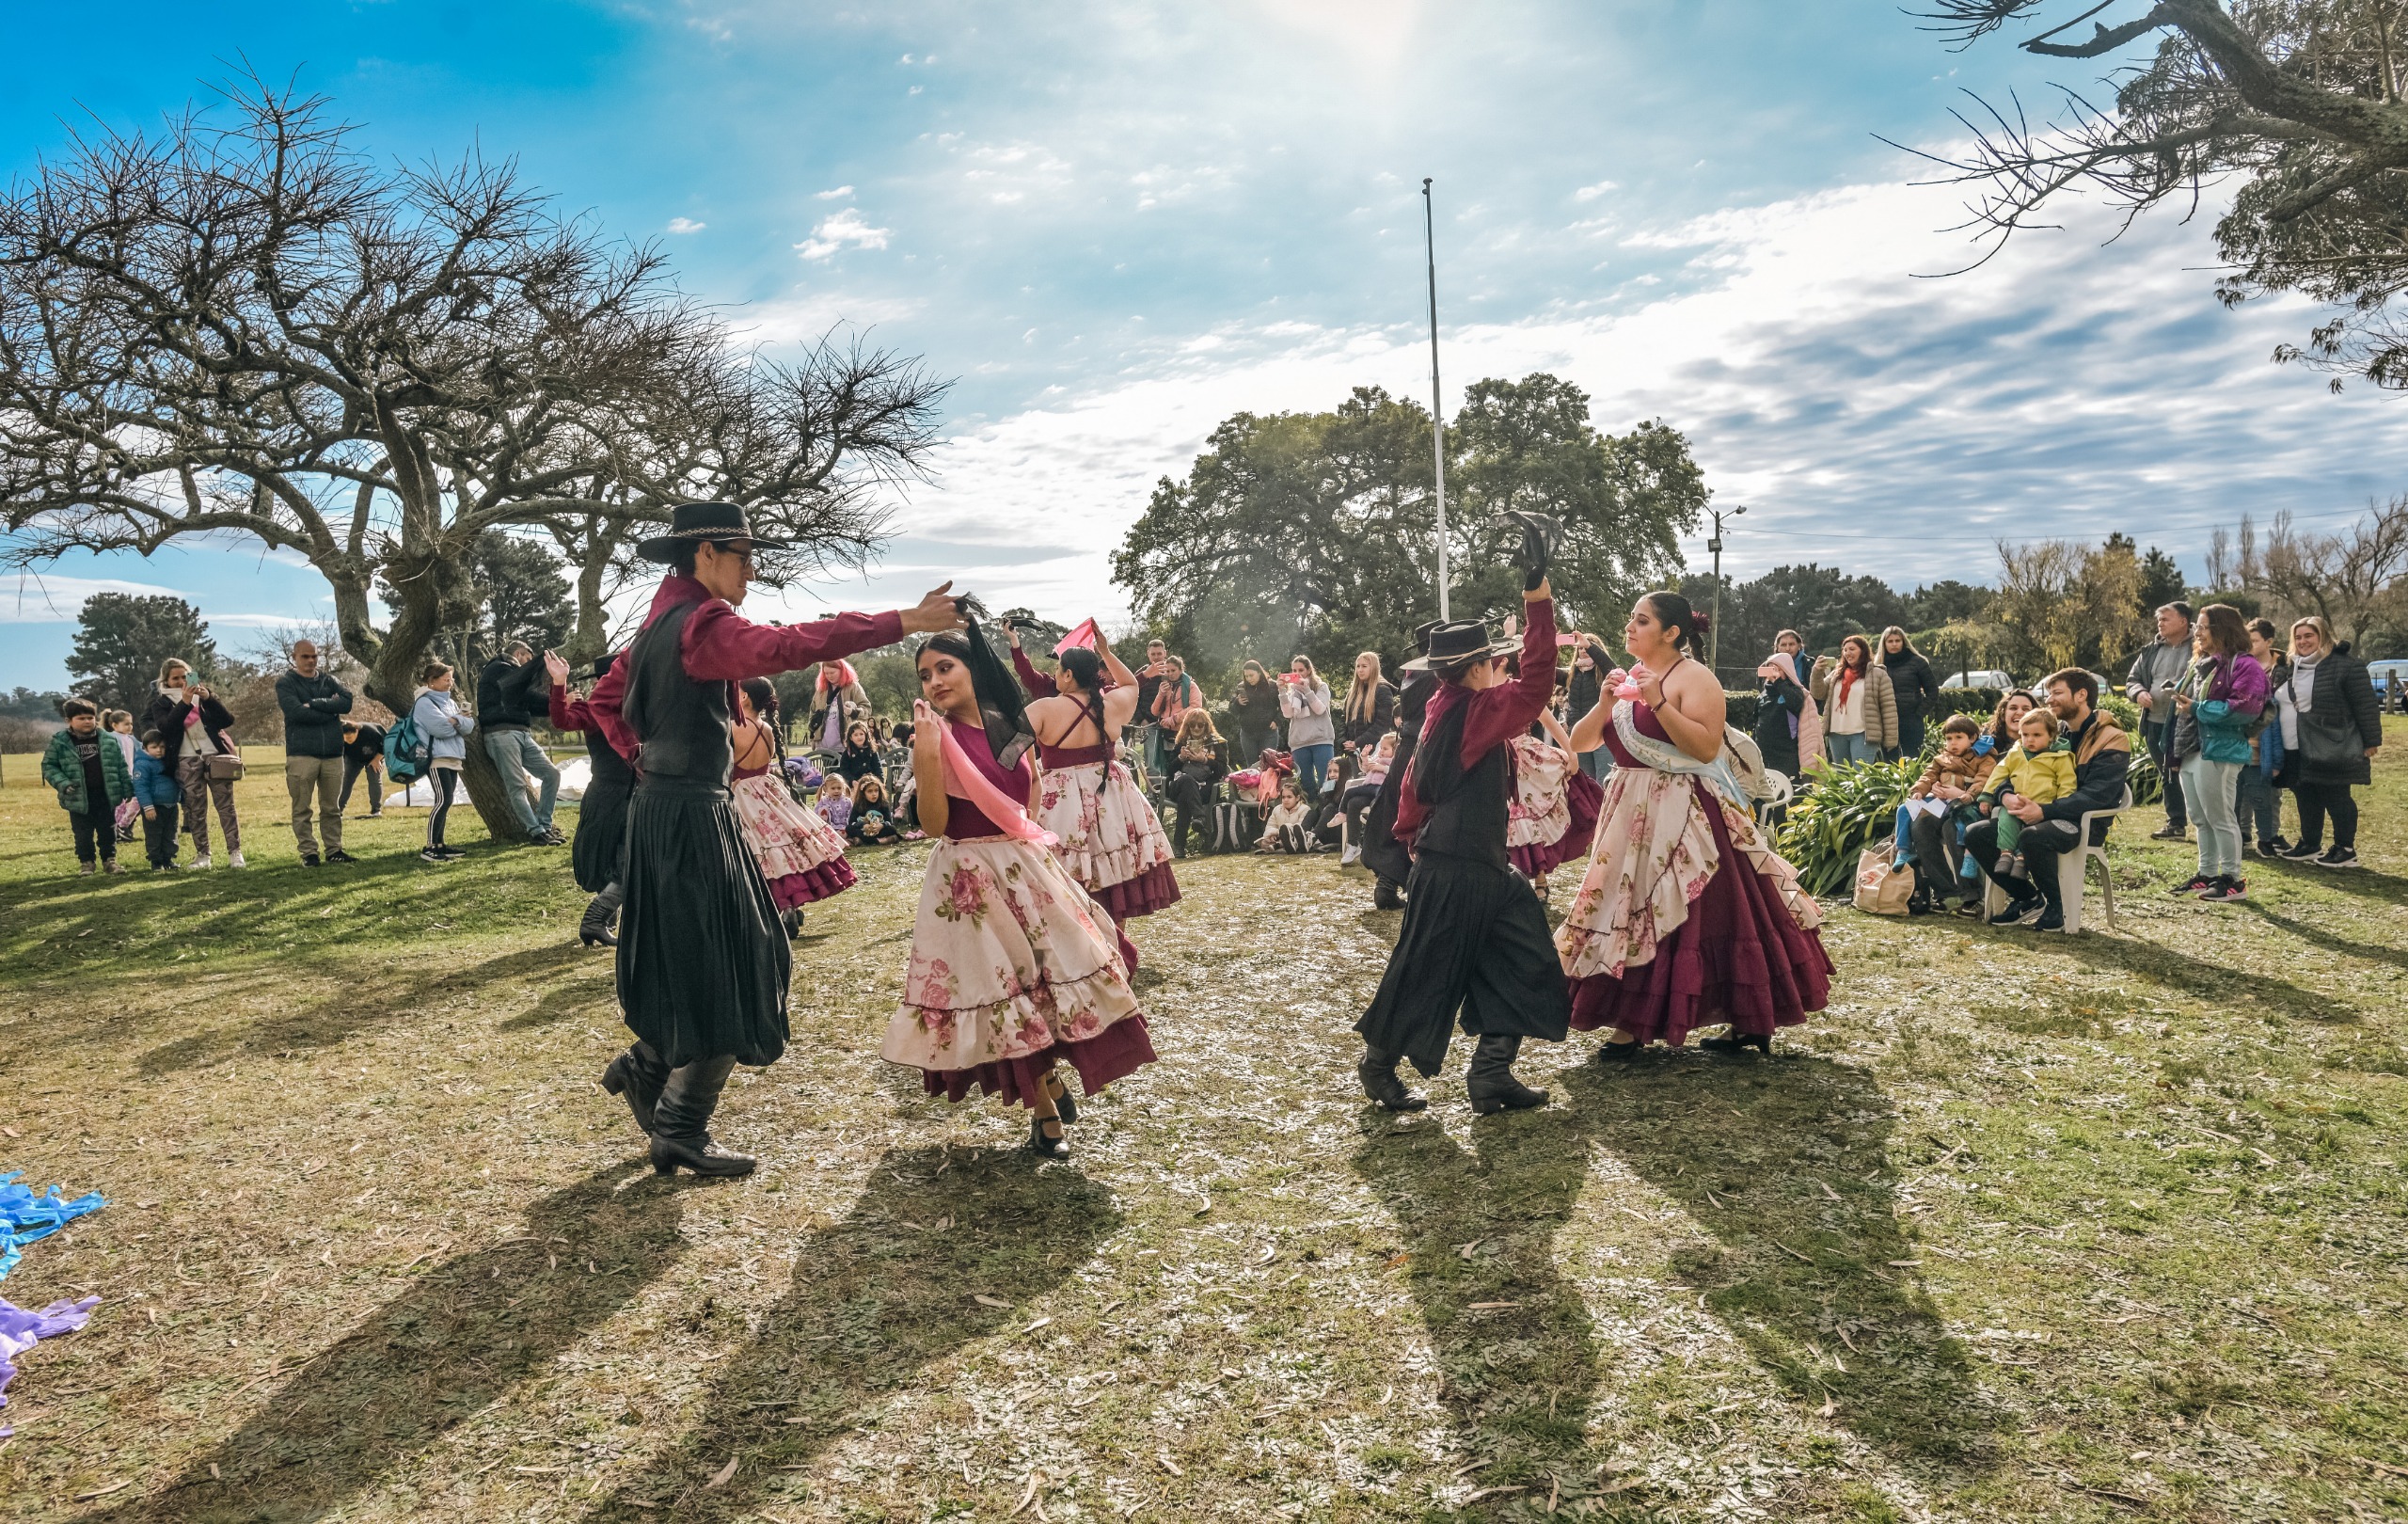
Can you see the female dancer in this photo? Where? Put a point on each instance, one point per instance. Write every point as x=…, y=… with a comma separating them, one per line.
x=1554, y=811
x=800, y=854
x=599, y=854
x=1109, y=836
x=1686, y=916
x=1011, y=967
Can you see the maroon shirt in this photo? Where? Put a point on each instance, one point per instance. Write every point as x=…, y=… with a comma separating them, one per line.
x=718, y=645
x=1498, y=714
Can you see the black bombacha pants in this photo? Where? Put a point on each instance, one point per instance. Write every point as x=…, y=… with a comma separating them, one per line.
x=1475, y=940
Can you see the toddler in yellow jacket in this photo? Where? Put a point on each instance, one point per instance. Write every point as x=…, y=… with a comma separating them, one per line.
x=2039, y=766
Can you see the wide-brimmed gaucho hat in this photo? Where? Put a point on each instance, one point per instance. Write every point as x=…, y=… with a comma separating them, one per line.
x=694, y=522
x=1459, y=643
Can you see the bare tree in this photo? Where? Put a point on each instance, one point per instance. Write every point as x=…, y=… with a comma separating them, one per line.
x=2356, y=579
x=249, y=329
x=2299, y=100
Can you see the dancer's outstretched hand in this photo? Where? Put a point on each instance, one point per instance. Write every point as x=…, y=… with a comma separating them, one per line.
x=934, y=613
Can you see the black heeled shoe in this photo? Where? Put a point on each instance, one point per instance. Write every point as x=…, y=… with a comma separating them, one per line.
x=1738, y=1042
x=1043, y=1146
x=596, y=939
x=670, y=1154
x=1620, y=1052
x=1379, y=1082
x=623, y=1079
x=1066, y=1105
x=1489, y=1083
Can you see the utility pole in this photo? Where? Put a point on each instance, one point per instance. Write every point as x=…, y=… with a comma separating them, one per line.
x=1714, y=633
x=1437, y=407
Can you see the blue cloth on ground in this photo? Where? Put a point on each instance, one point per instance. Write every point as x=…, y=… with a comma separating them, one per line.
x=25, y=1217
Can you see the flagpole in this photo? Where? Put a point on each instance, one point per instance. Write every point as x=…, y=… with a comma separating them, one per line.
x=1437, y=405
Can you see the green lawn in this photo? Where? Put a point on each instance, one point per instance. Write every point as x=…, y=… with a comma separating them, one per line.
x=2024, y=1228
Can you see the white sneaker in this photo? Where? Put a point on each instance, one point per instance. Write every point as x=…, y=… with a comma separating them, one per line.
x=1350, y=857
x=235, y=860
x=200, y=862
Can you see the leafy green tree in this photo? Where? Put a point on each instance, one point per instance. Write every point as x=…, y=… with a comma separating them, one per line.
x=28, y=704
x=1312, y=532
x=1944, y=602
x=122, y=638
x=521, y=592
x=2162, y=581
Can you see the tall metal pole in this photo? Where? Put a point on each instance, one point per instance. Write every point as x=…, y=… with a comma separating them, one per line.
x=1714, y=632
x=1437, y=398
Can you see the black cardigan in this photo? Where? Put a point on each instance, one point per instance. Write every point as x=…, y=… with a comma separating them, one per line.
x=166, y=716
x=1365, y=733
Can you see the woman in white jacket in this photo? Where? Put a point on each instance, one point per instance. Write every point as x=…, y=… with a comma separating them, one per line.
x=438, y=719
x=1312, y=735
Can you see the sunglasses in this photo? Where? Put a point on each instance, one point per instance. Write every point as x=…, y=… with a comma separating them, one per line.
x=742, y=553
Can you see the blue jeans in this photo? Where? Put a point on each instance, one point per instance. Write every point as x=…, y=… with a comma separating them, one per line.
x=1844, y=748
x=1312, y=766
x=516, y=755
x=2261, y=810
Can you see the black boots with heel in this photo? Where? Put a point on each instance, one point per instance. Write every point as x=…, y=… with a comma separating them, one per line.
x=1378, y=1074
x=1490, y=1085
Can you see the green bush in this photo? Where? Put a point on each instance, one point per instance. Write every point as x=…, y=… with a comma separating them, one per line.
x=1849, y=807
x=1740, y=710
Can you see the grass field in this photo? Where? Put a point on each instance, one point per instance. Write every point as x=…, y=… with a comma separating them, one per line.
x=2024, y=1228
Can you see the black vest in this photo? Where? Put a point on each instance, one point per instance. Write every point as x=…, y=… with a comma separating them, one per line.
x=1468, y=805
x=681, y=722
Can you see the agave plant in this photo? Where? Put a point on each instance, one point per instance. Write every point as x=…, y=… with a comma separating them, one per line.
x=1851, y=806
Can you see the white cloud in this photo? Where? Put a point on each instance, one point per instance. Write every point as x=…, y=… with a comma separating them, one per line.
x=1895, y=426
x=45, y=599
x=686, y=225
x=836, y=194
x=1590, y=193
x=847, y=229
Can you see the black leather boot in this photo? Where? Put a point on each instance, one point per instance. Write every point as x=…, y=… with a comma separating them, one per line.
x=593, y=928
x=1490, y=1085
x=1387, y=897
x=682, y=1138
x=1378, y=1074
x=637, y=1083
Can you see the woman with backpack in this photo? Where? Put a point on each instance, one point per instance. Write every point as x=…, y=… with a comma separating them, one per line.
x=2215, y=705
x=2331, y=730
x=2261, y=806
x=444, y=731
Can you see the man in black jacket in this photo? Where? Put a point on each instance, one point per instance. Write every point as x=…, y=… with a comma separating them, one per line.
x=511, y=692
x=363, y=752
x=313, y=704
x=2103, y=762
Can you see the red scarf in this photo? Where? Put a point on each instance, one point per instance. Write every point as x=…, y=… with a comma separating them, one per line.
x=1847, y=680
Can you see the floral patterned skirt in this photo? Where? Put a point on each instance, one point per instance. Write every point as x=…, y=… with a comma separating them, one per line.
x=1687, y=917
x=1553, y=814
x=1013, y=968
x=800, y=854
x=1109, y=838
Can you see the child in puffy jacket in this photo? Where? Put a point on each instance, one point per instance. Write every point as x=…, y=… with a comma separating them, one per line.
x=157, y=795
x=2039, y=766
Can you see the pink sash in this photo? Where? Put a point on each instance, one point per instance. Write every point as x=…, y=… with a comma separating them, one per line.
x=963, y=779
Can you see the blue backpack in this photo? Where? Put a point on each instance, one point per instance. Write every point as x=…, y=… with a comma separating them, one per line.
x=406, y=750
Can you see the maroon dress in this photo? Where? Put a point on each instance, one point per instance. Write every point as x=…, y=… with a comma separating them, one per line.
x=1739, y=955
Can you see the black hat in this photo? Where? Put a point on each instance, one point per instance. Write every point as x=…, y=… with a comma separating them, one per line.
x=1458, y=643
x=694, y=522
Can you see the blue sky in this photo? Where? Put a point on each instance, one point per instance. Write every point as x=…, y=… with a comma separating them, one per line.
x=1116, y=224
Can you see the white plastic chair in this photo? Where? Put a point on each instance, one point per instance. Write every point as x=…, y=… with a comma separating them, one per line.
x=2073, y=873
x=1779, y=799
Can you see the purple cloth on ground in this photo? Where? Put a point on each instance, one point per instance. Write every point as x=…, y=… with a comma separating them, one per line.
x=20, y=1330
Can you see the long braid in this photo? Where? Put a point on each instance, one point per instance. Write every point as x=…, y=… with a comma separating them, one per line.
x=1086, y=670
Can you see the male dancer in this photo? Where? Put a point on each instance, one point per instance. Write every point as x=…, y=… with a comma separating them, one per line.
x=1475, y=938
x=704, y=963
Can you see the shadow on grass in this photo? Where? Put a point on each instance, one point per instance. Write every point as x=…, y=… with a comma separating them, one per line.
x=1813, y=1286
x=361, y=1010
x=875, y=1301
x=2315, y=936
x=2197, y=978
x=458, y=1339
x=1516, y=1359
